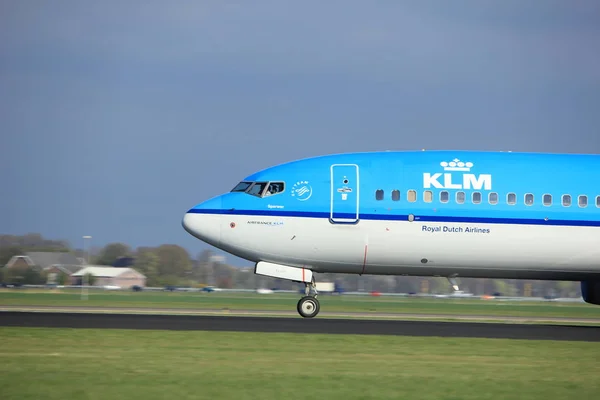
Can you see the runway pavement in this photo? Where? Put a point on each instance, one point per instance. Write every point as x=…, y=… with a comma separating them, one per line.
x=294, y=314
x=299, y=325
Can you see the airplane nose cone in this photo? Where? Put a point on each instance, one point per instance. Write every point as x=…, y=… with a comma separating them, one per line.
x=204, y=222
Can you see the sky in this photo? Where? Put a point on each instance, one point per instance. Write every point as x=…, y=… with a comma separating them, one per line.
x=116, y=117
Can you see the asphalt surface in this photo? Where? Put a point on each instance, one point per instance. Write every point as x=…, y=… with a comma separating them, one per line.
x=299, y=325
x=294, y=314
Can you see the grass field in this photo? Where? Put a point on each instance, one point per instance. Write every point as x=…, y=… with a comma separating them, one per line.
x=118, y=364
x=287, y=302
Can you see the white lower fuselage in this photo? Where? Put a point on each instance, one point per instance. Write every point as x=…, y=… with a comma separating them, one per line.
x=407, y=248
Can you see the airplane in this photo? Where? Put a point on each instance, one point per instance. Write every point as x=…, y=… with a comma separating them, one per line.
x=504, y=215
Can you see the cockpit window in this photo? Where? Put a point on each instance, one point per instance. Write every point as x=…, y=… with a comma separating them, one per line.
x=260, y=189
x=241, y=187
x=274, y=188
x=257, y=189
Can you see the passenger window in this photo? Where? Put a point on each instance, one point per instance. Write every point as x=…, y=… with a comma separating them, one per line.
x=566, y=200
x=379, y=194
x=241, y=187
x=428, y=196
x=460, y=197
x=395, y=195
x=598, y=201
x=493, y=198
x=274, y=188
x=583, y=201
x=444, y=197
x=476, y=197
x=511, y=199
x=412, y=196
x=528, y=199
x=257, y=188
x=547, y=200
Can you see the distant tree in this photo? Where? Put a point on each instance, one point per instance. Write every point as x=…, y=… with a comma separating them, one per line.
x=33, y=242
x=173, y=260
x=438, y=285
x=501, y=286
x=225, y=282
x=6, y=253
x=61, y=279
x=147, y=263
x=204, y=256
x=24, y=275
x=202, y=268
x=111, y=252
x=566, y=289
x=15, y=274
x=89, y=279
x=33, y=276
x=168, y=280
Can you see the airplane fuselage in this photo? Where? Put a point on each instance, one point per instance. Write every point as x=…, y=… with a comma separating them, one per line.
x=430, y=213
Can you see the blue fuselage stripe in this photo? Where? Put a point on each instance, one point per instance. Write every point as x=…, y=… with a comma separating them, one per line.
x=398, y=217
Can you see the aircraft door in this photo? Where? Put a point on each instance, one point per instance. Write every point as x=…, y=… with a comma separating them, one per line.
x=344, y=194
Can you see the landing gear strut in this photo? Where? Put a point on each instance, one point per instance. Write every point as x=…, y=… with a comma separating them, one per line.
x=454, y=283
x=308, y=306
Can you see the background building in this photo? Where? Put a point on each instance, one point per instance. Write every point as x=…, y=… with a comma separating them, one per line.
x=124, y=278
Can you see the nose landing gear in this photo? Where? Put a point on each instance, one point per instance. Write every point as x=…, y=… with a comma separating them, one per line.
x=308, y=306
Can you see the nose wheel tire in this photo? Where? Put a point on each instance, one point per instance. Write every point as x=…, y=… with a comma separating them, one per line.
x=308, y=307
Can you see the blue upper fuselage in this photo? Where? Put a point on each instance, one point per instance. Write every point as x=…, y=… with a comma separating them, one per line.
x=461, y=186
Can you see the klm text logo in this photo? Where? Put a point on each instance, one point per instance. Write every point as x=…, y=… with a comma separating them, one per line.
x=450, y=181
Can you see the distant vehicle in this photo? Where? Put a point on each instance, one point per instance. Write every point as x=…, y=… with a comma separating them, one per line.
x=327, y=287
x=498, y=215
x=338, y=289
x=12, y=285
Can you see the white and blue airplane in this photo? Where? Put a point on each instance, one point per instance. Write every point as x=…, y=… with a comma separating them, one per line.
x=420, y=213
